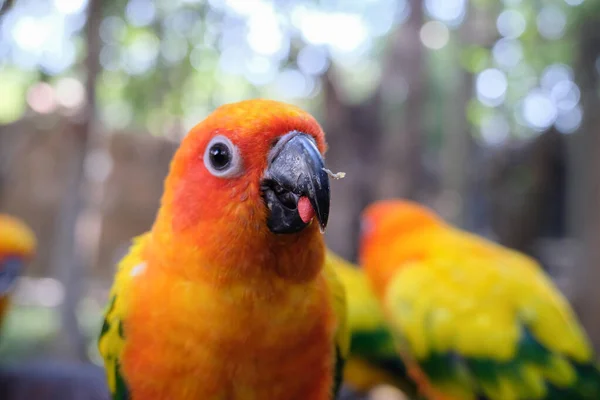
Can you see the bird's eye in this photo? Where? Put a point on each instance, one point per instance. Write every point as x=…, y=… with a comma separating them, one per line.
x=222, y=158
x=219, y=156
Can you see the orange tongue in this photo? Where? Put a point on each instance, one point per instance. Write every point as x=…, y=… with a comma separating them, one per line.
x=305, y=209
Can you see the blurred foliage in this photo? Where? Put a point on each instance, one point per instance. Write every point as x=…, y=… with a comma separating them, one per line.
x=166, y=64
x=26, y=331
x=29, y=331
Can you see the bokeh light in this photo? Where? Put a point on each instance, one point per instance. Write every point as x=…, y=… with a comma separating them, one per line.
x=45, y=292
x=291, y=84
x=265, y=35
x=570, y=120
x=70, y=93
x=507, y=53
x=313, y=60
x=511, y=24
x=551, y=22
x=434, y=35
x=173, y=49
x=494, y=130
x=491, y=86
x=260, y=70
x=40, y=98
x=70, y=6
x=565, y=95
x=140, y=12
x=554, y=74
x=380, y=16
x=538, y=110
x=140, y=56
x=342, y=32
x=452, y=12
x=98, y=165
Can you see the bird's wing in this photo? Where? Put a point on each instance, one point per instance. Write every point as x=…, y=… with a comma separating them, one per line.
x=112, y=337
x=342, y=336
x=373, y=359
x=490, y=328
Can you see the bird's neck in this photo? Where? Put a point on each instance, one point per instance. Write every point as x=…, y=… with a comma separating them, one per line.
x=225, y=254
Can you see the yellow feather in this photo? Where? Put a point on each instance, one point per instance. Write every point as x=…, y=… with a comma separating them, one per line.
x=365, y=318
x=363, y=309
x=338, y=292
x=111, y=343
x=559, y=371
x=474, y=305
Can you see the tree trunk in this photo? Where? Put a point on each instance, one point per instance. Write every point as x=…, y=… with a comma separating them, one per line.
x=524, y=187
x=462, y=171
x=584, y=174
x=400, y=165
x=6, y=6
x=456, y=144
x=351, y=132
x=67, y=261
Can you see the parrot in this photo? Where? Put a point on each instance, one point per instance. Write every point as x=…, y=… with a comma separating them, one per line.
x=228, y=295
x=17, y=247
x=372, y=359
x=472, y=319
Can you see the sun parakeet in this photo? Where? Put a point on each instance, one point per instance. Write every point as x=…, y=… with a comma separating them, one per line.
x=472, y=319
x=17, y=246
x=228, y=295
x=373, y=359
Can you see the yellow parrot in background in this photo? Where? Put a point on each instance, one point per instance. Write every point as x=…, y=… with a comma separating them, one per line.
x=472, y=320
x=17, y=247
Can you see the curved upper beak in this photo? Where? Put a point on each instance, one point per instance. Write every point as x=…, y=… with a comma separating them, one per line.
x=295, y=169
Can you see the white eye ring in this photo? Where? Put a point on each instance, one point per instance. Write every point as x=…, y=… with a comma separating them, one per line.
x=222, y=158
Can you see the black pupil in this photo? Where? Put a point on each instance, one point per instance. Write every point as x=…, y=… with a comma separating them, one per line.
x=219, y=156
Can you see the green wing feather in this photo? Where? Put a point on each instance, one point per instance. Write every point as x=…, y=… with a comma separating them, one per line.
x=532, y=374
x=110, y=344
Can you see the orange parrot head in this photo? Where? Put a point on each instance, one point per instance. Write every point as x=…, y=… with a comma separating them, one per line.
x=392, y=218
x=250, y=175
x=385, y=227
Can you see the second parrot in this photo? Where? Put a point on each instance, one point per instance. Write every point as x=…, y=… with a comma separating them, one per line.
x=472, y=320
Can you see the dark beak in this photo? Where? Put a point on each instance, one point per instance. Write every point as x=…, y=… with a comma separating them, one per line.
x=295, y=170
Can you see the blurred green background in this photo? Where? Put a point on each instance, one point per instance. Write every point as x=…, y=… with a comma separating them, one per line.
x=486, y=110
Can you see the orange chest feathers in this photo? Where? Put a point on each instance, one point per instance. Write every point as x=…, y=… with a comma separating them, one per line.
x=187, y=340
